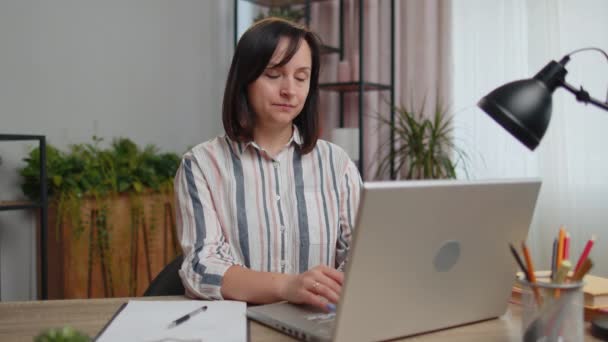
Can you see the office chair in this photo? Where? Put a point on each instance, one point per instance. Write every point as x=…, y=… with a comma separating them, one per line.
x=167, y=282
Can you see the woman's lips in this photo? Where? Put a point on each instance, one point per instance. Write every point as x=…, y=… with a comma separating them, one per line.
x=285, y=106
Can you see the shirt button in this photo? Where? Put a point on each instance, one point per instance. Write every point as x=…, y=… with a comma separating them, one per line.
x=275, y=164
x=283, y=263
x=278, y=198
x=282, y=228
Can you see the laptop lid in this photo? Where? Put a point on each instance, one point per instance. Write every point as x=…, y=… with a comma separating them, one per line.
x=429, y=255
x=426, y=255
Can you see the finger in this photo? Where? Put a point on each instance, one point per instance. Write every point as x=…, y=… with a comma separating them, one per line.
x=334, y=274
x=328, y=284
x=317, y=301
x=327, y=292
x=330, y=278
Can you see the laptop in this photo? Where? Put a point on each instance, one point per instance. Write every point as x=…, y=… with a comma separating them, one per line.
x=426, y=255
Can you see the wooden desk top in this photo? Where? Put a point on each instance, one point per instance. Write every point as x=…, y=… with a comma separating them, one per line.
x=22, y=321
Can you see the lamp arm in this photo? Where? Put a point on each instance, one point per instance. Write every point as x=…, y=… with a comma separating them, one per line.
x=583, y=96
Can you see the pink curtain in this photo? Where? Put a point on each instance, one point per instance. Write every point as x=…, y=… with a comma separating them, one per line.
x=422, y=64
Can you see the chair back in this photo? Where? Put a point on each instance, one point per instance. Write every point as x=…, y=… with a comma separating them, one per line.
x=167, y=282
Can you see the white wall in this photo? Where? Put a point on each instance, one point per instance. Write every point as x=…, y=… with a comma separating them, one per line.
x=149, y=70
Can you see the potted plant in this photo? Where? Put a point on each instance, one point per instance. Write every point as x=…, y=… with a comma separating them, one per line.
x=424, y=146
x=286, y=12
x=106, y=207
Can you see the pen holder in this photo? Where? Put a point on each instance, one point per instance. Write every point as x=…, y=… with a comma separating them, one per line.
x=552, y=312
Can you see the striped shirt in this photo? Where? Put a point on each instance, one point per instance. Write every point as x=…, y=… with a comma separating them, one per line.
x=237, y=205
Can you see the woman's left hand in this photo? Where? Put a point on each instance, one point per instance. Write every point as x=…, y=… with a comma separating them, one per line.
x=318, y=286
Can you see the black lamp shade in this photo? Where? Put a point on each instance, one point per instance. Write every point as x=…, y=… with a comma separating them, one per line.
x=521, y=107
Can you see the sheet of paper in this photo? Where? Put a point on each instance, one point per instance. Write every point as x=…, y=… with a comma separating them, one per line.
x=149, y=320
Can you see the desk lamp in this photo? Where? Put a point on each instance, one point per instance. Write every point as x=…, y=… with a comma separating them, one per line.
x=523, y=108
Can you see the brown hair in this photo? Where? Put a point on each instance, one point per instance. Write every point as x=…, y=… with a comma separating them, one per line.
x=251, y=57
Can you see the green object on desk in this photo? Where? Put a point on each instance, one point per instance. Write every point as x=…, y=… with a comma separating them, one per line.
x=65, y=334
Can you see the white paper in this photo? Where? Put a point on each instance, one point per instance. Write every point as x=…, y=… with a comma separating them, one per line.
x=148, y=321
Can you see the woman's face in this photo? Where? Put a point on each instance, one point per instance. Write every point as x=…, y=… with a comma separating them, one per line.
x=278, y=95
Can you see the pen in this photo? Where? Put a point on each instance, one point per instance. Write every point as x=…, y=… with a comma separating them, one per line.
x=187, y=317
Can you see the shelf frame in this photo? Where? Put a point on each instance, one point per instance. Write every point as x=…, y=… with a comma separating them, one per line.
x=42, y=205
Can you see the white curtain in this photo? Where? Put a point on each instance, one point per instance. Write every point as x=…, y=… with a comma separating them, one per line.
x=497, y=41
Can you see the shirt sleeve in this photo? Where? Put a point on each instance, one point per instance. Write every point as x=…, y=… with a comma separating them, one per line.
x=350, y=188
x=207, y=254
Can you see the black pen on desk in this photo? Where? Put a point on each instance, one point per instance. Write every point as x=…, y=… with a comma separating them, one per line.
x=186, y=317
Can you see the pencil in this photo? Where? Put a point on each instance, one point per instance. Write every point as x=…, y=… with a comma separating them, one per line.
x=560, y=246
x=566, y=247
x=531, y=274
x=519, y=262
x=554, y=260
x=585, y=253
x=584, y=269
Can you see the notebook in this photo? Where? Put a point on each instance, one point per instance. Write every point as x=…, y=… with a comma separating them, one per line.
x=426, y=255
x=147, y=320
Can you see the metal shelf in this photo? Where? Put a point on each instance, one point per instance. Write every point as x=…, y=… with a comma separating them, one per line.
x=281, y=3
x=354, y=86
x=18, y=205
x=42, y=205
x=327, y=49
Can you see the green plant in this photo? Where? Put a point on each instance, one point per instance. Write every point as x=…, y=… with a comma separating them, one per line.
x=88, y=170
x=284, y=12
x=424, y=147
x=65, y=334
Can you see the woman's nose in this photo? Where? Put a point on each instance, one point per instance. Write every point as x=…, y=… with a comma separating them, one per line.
x=287, y=87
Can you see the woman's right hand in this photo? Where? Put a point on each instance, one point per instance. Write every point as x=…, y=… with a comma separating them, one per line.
x=318, y=286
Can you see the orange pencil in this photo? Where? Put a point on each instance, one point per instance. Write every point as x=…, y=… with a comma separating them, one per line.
x=531, y=274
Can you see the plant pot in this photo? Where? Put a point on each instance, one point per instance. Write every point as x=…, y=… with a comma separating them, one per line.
x=115, y=259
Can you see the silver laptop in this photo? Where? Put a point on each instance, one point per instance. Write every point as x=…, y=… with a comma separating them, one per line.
x=426, y=255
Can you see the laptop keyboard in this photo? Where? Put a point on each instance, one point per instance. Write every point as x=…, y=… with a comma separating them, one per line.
x=324, y=319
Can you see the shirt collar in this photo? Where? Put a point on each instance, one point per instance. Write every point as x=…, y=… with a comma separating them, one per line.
x=296, y=138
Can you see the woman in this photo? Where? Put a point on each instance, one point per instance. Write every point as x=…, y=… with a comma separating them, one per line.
x=265, y=213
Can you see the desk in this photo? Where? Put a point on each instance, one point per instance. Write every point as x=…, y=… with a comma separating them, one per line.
x=21, y=321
